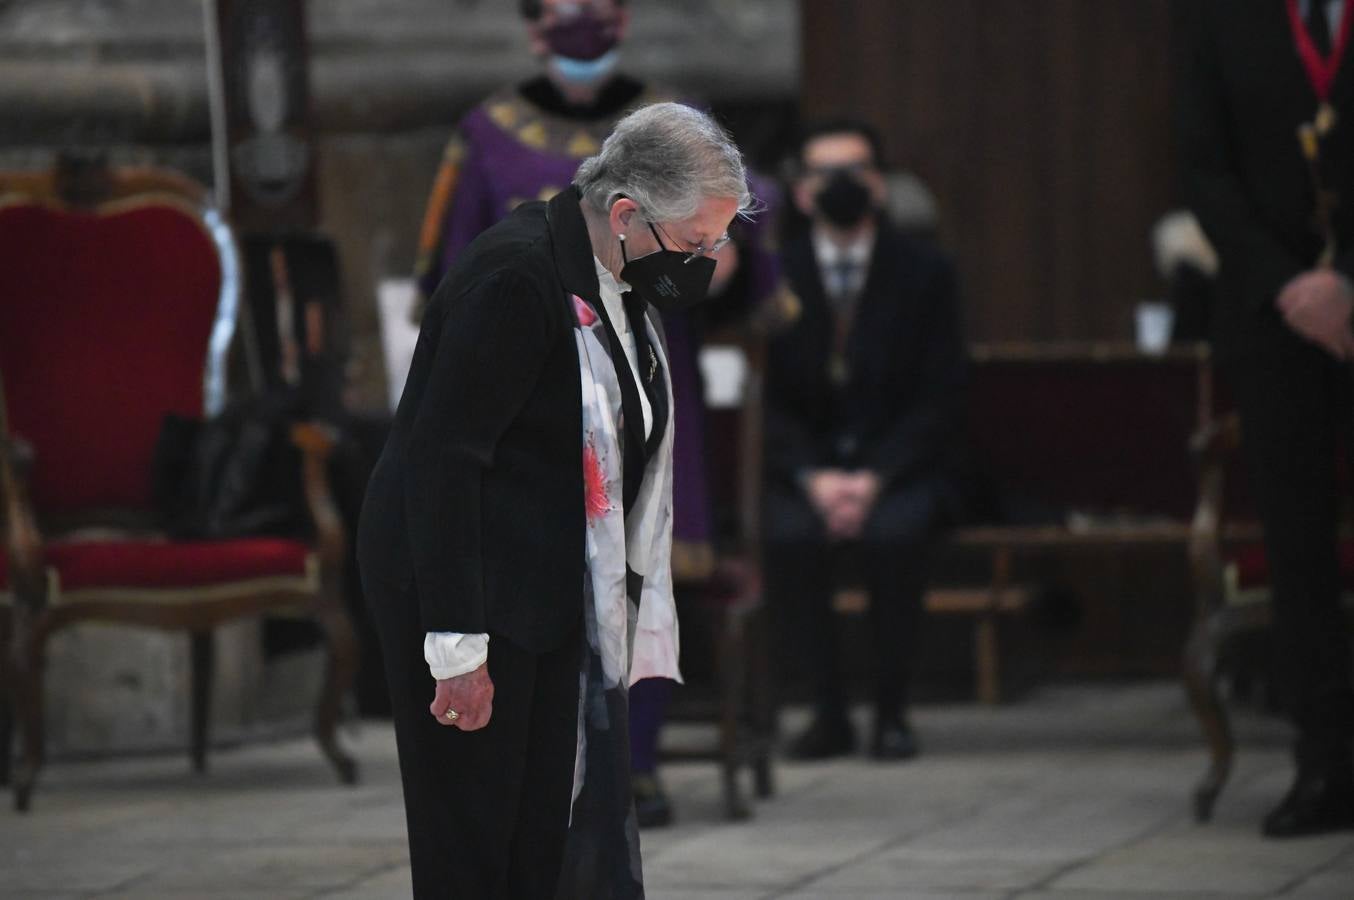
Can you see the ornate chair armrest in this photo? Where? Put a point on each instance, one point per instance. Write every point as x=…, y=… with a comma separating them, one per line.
x=18, y=523
x=316, y=443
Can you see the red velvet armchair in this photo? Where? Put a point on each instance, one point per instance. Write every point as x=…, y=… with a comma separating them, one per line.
x=119, y=302
x=1232, y=594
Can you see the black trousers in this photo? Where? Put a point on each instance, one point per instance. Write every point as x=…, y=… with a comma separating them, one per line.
x=487, y=811
x=1297, y=408
x=892, y=561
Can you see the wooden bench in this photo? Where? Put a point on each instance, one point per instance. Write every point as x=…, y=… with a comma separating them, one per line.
x=1081, y=447
x=985, y=605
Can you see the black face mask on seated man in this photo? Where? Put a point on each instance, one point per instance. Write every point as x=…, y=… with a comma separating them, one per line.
x=844, y=200
x=669, y=280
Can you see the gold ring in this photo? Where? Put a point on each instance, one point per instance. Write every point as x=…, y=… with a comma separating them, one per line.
x=451, y=714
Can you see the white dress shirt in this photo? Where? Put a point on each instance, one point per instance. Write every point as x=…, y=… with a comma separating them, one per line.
x=450, y=653
x=611, y=291
x=1335, y=10
x=843, y=267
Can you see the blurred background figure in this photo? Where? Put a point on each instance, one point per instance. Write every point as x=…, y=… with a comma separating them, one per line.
x=1188, y=265
x=1269, y=150
x=525, y=140
x=863, y=407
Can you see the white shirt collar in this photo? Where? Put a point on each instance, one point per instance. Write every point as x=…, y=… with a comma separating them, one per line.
x=611, y=288
x=829, y=252
x=1335, y=10
x=606, y=280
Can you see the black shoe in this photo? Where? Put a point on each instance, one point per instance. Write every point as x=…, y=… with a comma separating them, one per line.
x=652, y=807
x=824, y=739
x=1317, y=803
x=893, y=740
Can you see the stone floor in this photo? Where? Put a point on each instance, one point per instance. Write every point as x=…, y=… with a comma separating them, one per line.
x=1073, y=792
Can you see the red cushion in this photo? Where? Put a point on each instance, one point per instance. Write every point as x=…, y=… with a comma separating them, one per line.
x=170, y=564
x=1252, y=566
x=104, y=328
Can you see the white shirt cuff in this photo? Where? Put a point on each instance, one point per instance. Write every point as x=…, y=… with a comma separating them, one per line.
x=450, y=654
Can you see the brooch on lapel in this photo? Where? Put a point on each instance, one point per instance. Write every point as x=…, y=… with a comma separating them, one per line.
x=653, y=364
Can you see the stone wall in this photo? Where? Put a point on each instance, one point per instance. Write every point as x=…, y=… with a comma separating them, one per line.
x=132, y=70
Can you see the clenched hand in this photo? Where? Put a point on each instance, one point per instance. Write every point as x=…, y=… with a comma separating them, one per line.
x=471, y=695
x=1317, y=305
x=844, y=500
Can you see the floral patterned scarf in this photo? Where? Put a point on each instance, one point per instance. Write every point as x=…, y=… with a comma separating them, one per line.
x=630, y=619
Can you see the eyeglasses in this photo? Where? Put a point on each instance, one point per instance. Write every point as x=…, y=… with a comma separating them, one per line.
x=697, y=253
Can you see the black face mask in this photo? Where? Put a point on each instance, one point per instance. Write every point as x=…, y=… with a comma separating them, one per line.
x=843, y=201
x=668, y=280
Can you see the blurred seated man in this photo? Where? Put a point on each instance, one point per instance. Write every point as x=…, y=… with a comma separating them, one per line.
x=1268, y=158
x=863, y=406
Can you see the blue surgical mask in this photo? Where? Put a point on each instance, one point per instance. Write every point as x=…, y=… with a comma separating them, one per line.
x=585, y=72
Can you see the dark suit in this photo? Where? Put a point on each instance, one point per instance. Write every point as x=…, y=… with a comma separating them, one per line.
x=897, y=414
x=474, y=522
x=1243, y=95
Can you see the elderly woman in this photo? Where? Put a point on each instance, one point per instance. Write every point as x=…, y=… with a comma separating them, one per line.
x=515, y=542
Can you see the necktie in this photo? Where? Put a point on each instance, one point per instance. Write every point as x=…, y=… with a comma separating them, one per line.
x=844, y=278
x=1318, y=26
x=646, y=360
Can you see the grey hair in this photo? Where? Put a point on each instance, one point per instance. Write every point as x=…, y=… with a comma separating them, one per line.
x=668, y=158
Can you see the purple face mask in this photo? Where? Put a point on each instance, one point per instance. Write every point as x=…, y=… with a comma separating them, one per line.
x=583, y=37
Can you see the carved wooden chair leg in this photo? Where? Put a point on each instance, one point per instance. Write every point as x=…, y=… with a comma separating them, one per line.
x=27, y=670
x=732, y=682
x=763, y=703
x=6, y=701
x=340, y=667
x=202, y=654
x=1201, y=684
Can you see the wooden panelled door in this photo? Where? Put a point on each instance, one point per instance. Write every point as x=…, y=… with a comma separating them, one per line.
x=1043, y=127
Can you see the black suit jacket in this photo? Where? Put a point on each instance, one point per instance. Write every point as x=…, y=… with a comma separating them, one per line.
x=477, y=500
x=1243, y=94
x=900, y=411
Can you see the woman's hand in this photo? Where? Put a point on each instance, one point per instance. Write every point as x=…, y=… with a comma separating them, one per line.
x=472, y=697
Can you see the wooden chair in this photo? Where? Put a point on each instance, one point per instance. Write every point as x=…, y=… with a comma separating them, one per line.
x=1232, y=594
x=729, y=601
x=121, y=291
x=986, y=606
